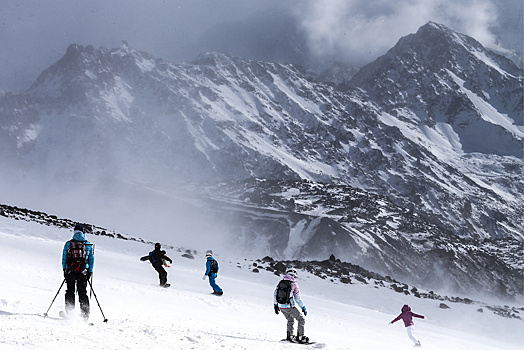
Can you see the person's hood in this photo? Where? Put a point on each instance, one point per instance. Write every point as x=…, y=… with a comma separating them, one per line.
x=79, y=236
x=406, y=308
x=289, y=278
x=210, y=258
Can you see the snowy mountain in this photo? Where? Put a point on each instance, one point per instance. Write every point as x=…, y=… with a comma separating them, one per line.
x=141, y=315
x=438, y=77
x=420, y=154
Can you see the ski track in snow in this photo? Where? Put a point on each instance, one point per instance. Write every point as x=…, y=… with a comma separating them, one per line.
x=186, y=316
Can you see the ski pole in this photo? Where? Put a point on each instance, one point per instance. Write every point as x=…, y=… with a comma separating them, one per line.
x=45, y=314
x=105, y=319
x=91, y=292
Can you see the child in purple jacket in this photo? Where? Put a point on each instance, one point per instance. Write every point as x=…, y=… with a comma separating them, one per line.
x=407, y=317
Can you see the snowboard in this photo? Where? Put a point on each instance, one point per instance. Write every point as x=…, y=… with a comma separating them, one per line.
x=296, y=342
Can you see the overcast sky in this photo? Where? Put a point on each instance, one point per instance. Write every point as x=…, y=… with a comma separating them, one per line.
x=35, y=33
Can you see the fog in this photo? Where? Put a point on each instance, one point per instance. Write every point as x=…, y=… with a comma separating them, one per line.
x=34, y=34
x=176, y=216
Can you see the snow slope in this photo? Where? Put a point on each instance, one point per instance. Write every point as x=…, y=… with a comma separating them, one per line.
x=143, y=316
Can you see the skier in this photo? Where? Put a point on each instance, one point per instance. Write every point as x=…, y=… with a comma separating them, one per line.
x=286, y=296
x=211, y=272
x=407, y=317
x=157, y=258
x=78, y=260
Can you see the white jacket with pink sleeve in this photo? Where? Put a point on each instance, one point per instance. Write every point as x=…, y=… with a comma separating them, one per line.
x=295, y=295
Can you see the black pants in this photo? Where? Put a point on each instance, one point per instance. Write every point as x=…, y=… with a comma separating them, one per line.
x=80, y=281
x=162, y=274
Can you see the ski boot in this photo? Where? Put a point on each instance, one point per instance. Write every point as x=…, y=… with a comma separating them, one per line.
x=302, y=339
x=290, y=338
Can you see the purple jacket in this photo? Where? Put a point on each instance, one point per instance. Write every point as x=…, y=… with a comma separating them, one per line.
x=407, y=316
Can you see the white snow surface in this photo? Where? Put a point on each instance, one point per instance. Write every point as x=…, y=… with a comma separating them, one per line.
x=141, y=315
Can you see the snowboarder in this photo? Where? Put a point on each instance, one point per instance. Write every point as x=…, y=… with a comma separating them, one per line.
x=78, y=260
x=211, y=272
x=407, y=316
x=157, y=258
x=286, y=296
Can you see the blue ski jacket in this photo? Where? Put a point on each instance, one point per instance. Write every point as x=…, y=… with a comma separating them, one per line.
x=90, y=256
x=208, y=266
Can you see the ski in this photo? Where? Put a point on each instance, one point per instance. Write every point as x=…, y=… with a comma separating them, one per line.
x=65, y=317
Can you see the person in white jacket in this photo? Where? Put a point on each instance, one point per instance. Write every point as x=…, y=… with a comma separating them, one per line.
x=285, y=298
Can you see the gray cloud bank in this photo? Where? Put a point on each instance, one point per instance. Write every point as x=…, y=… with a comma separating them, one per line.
x=34, y=34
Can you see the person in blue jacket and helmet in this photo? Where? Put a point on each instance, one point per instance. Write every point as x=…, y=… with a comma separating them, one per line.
x=78, y=260
x=211, y=272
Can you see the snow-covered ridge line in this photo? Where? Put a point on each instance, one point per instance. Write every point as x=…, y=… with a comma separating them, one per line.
x=52, y=220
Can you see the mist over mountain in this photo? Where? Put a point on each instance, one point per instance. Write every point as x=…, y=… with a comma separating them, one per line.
x=418, y=154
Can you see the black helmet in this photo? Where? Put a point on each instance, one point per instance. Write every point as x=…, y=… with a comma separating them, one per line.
x=157, y=246
x=79, y=227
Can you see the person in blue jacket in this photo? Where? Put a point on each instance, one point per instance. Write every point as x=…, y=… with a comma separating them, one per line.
x=78, y=260
x=211, y=272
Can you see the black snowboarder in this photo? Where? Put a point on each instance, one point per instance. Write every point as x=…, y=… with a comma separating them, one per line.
x=157, y=258
x=78, y=260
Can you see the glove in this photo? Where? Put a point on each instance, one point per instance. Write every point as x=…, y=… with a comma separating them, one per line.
x=277, y=309
x=65, y=272
x=304, y=310
x=88, y=274
x=204, y=277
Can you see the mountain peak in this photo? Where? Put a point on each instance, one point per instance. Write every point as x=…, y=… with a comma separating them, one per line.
x=436, y=41
x=433, y=26
x=213, y=59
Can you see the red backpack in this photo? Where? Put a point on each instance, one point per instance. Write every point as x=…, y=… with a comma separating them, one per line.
x=76, y=256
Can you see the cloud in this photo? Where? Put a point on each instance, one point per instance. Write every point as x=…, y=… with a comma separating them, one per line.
x=35, y=34
x=359, y=31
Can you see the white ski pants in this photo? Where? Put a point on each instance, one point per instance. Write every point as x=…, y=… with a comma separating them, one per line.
x=411, y=334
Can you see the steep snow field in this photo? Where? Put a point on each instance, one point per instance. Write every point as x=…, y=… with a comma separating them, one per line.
x=144, y=316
